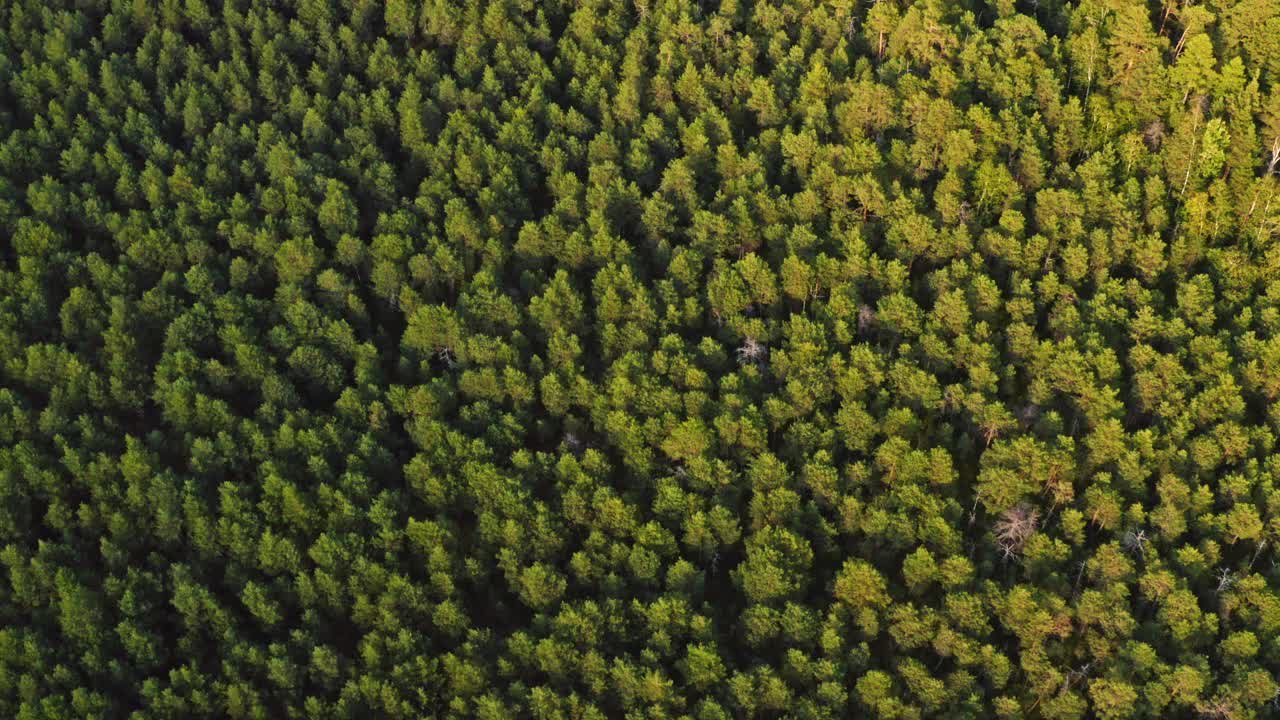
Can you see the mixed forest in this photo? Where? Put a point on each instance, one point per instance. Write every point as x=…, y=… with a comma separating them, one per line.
x=639, y=359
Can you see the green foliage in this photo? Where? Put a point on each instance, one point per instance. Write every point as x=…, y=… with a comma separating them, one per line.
x=689, y=360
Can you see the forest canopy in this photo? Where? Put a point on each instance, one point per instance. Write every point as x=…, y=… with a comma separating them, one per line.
x=643, y=359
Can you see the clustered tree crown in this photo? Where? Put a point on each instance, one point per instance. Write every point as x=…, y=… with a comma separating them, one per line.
x=639, y=359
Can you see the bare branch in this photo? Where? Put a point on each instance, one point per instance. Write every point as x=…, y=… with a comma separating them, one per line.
x=752, y=351
x=1015, y=526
